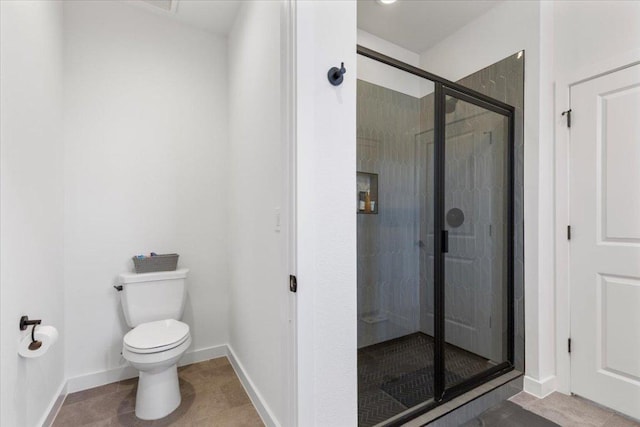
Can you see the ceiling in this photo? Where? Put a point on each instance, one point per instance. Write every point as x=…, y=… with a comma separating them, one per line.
x=418, y=25
x=415, y=25
x=213, y=16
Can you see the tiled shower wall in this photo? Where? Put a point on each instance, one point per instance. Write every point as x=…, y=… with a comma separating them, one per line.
x=395, y=248
x=388, y=267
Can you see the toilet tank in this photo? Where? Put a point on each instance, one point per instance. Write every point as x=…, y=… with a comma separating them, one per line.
x=153, y=296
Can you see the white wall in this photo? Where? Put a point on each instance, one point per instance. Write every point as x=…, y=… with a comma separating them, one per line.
x=258, y=276
x=326, y=232
x=589, y=32
x=31, y=188
x=145, y=170
x=503, y=31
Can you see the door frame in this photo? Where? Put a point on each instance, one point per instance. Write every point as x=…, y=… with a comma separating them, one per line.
x=562, y=248
x=288, y=212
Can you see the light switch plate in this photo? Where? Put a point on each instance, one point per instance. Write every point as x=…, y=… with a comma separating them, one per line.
x=278, y=220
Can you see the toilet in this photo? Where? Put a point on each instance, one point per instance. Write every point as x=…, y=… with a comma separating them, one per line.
x=153, y=304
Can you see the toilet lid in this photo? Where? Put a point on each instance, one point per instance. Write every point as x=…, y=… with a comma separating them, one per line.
x=156, y=335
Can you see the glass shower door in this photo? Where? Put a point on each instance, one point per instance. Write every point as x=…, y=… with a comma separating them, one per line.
x=435, y=254
x=475, y=221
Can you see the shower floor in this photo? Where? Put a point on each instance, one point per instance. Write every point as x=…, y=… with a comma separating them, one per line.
x=397, y=374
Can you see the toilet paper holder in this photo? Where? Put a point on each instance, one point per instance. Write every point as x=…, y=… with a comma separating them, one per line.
x=24, y=324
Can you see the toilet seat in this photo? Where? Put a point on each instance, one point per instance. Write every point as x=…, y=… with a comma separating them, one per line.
x=157, y=336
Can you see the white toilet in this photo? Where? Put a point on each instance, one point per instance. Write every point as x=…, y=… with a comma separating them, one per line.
x=153, y=303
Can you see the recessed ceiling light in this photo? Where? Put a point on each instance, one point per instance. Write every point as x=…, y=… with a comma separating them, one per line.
x=386, y=1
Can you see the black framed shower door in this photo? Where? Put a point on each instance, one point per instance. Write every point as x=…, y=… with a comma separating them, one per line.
x=489, y=125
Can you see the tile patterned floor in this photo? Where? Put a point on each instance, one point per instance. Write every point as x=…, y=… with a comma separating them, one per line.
x=397, y=374
x=211, y=396
x=572, y=411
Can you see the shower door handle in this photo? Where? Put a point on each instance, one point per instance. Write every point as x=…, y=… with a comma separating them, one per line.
x=445, y=241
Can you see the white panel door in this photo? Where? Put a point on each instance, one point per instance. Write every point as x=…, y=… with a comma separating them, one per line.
x=605, y=241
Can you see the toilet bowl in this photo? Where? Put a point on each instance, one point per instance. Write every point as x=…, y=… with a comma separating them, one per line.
x=154, y=348
x=153, y=304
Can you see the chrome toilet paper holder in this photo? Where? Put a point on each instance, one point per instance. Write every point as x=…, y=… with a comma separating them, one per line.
x=24, y=324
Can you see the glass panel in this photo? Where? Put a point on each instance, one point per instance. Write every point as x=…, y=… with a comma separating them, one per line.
x=394, y=205
x=475, y=216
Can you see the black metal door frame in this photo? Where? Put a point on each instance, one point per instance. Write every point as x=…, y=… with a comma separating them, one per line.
x=441, y=92
x=444, y=88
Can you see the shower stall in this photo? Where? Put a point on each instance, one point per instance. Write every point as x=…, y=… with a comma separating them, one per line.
x=437, y=248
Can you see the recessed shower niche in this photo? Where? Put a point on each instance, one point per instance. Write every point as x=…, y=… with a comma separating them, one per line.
x=439, y=271
x=367, y=193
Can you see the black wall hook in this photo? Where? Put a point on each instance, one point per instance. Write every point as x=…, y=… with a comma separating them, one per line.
x=336, y=75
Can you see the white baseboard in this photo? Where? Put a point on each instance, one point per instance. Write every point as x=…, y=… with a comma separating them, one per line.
x=540, y=388
x=203, y=354
x=96, y=379
x=55, y=405
x=256, y=398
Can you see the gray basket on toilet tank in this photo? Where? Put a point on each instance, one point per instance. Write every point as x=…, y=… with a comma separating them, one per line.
x=160, y=262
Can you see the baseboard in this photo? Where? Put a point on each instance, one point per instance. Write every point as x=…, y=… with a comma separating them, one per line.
x=256, y=398
x=55, y=405
x=203, y=354
x=97, y=379
x=540, y=388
